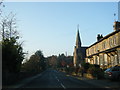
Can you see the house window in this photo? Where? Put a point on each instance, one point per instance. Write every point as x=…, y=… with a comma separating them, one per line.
x=114, y=40
x=105, y=59
x=98, y=60
x=115, y=57
x=101, y=60
x=96, y=48
x=110, y=42
x=104, y=45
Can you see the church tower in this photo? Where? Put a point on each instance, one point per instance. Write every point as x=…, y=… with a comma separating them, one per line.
x=77, y=55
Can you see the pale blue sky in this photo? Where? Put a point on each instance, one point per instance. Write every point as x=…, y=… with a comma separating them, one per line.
x=52, y=26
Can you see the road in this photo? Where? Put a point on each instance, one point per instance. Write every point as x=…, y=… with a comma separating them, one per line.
x=55, y=79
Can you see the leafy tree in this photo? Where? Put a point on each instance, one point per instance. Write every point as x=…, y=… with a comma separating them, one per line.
x=12, y=55
x=36, y=63
x=42, y=61
x=61, y=61
x=52, y=61
x=32, y=64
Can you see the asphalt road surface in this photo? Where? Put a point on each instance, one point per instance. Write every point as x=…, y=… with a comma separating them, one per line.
x=55, y=79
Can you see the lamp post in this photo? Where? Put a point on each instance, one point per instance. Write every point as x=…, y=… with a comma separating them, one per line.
x=80, y=65
x=67, y=66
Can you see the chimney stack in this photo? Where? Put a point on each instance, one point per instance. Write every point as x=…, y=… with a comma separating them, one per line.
x=116, y=25
x=99, y=37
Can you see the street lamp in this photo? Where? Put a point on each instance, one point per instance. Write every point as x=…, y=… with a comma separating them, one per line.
x=67, y=66
x=79, y=65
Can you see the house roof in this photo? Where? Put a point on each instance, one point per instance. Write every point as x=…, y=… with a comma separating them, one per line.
x=105, y=37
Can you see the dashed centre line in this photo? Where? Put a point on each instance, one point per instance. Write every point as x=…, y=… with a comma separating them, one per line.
x=57, y=79
x=63, y=86
x=60, y=83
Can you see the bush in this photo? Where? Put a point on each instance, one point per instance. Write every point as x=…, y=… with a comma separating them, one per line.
x=70, y=70
x=86, y=66
x=96, y=71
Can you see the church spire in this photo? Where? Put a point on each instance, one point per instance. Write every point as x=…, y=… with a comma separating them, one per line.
x=78, y=41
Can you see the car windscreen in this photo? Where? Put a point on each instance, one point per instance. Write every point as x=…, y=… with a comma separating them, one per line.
x=107, y=69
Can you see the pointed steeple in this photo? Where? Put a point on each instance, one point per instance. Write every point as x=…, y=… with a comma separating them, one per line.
x=78, y=41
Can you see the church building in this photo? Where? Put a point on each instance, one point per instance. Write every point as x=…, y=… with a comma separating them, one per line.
x=79, y=52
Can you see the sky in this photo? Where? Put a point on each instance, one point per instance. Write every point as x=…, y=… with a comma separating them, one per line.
x=52, y=26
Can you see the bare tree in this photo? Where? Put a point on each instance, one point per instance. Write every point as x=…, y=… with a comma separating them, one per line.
x=3, y=25
x=9, y=27
x=1, y=5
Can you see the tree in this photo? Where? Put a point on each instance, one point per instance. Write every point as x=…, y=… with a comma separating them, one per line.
x=52, y=61
x=1, y=5
x=61, y=61
x=12, y=55
x=36, y=63
x=42, y=61
x=9, y=27
x=33, y=64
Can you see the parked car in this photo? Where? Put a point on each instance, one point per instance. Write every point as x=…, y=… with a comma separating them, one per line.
x=112, y=73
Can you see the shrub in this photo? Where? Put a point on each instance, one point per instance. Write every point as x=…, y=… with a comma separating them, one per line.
x=96, y=71
x=86, y=66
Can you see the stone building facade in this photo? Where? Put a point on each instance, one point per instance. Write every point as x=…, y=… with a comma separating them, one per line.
x=106, y=51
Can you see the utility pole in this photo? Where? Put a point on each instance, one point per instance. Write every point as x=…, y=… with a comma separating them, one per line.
x=66, y=54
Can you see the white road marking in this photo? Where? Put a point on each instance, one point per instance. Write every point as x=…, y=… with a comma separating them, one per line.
x=60, y=82
x=57, y=79
x=63, y=86
x=107, y=87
